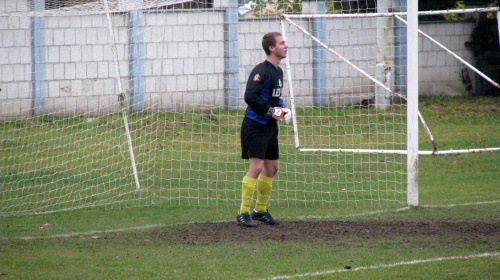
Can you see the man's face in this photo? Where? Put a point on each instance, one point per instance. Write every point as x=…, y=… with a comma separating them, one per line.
x=281, y=47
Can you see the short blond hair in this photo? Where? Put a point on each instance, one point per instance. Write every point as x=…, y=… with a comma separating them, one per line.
x=269, y=40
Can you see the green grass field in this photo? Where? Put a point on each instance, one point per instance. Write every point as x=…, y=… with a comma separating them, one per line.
x=130, y=243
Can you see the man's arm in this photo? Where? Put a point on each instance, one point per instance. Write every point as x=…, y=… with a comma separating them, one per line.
x=253, y=92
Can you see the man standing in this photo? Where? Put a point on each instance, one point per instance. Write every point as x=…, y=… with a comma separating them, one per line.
x=259, y=131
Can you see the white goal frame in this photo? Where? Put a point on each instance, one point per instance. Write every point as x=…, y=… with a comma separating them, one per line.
x=413, y=113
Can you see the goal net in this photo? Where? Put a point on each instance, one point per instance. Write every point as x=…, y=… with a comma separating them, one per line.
x=345, y=76
x=128, y=103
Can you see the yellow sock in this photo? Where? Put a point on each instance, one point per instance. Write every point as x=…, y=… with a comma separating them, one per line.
x=247, y=189
x=264, y=186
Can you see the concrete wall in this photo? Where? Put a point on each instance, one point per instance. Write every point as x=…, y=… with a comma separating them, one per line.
x=15, y=61
x=439, y=72
x=80, y=67
x=184, y=60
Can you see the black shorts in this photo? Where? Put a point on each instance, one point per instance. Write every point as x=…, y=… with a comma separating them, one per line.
x=258, y=140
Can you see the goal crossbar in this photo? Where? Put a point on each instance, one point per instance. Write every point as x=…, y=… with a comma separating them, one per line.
x=392, y=14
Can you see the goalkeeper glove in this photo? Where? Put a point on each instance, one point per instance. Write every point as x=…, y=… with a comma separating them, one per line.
x=288, y=115
x=276, y=112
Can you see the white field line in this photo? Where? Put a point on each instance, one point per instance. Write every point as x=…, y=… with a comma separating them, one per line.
x=461, y=204
x=319, y=273
x=95, y=232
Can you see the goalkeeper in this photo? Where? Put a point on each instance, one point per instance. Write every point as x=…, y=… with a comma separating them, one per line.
x=259, y=131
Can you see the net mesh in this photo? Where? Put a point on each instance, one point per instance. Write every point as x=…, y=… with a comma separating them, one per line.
x=70, y=138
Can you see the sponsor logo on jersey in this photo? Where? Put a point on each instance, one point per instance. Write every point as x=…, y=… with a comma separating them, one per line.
x=256, y=78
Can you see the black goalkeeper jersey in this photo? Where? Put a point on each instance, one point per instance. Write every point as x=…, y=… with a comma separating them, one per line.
x=264, y=88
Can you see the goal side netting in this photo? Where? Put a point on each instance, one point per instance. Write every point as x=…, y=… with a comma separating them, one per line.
x=349, y=96
x=377, y=85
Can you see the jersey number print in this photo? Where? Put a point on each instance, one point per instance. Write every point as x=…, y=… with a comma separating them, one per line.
x=277, y=90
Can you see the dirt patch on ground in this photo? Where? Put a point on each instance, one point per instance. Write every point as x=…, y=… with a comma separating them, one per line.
x=313, y=231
